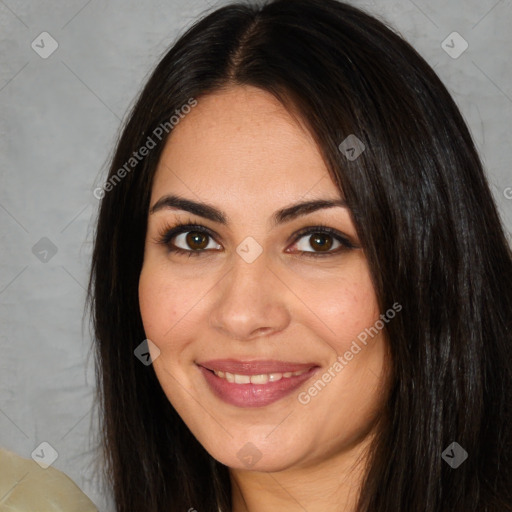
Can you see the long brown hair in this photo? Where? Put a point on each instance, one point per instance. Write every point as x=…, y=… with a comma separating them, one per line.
x=424, y=213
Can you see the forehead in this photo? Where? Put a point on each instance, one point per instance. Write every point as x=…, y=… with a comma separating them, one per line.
x=242, y=144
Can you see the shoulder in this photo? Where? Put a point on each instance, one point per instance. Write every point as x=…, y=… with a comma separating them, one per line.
x=25, y=487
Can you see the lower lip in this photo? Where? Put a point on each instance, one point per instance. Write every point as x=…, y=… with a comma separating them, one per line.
x=254, y=395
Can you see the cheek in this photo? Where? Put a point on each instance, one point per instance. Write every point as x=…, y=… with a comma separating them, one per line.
x=166, y=294
x=158, y=307
x=352, y=310
x=342, y=305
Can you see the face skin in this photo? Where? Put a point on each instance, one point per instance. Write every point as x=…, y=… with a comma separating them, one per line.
x=240, y=151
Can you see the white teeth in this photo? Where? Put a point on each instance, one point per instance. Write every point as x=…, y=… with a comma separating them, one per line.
x=242, y=379
x=259, y=379
x=263, y=378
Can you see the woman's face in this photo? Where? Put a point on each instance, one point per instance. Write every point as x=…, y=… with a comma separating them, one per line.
x=244, y=301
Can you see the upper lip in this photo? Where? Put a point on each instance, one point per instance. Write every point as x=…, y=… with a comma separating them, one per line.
x=255, y=367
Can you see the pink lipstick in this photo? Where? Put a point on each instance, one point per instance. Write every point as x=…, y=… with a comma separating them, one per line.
x=254, y=383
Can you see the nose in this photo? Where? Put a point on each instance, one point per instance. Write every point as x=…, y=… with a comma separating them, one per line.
x=250, y=301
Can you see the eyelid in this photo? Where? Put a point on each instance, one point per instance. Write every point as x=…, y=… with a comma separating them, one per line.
x=167, y=233
x=319, y=227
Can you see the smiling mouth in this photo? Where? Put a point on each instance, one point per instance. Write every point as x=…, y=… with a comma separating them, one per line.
x=262, y=378
x=254, y=366
x=254, y=383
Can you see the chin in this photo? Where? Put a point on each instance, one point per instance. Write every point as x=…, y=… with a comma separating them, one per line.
x=258, y=455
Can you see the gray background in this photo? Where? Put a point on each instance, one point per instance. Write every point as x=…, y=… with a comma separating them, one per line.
x=59, y=119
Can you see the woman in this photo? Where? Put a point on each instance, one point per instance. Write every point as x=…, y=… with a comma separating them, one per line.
x=297, y=233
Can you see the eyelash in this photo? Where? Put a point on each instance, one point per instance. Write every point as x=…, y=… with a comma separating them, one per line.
x=168, y=233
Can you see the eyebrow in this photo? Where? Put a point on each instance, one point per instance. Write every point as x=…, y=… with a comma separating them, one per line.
x=214, y=214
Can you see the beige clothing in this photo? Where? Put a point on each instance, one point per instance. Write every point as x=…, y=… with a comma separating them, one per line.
x=26, y=487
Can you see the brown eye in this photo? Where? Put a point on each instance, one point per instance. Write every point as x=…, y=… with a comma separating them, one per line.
x=196, y=239
x=321, y=241
x=324, y=241
x=193, y=241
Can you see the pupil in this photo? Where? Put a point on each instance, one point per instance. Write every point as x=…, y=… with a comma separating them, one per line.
x=319, y=241
x=194, y=237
